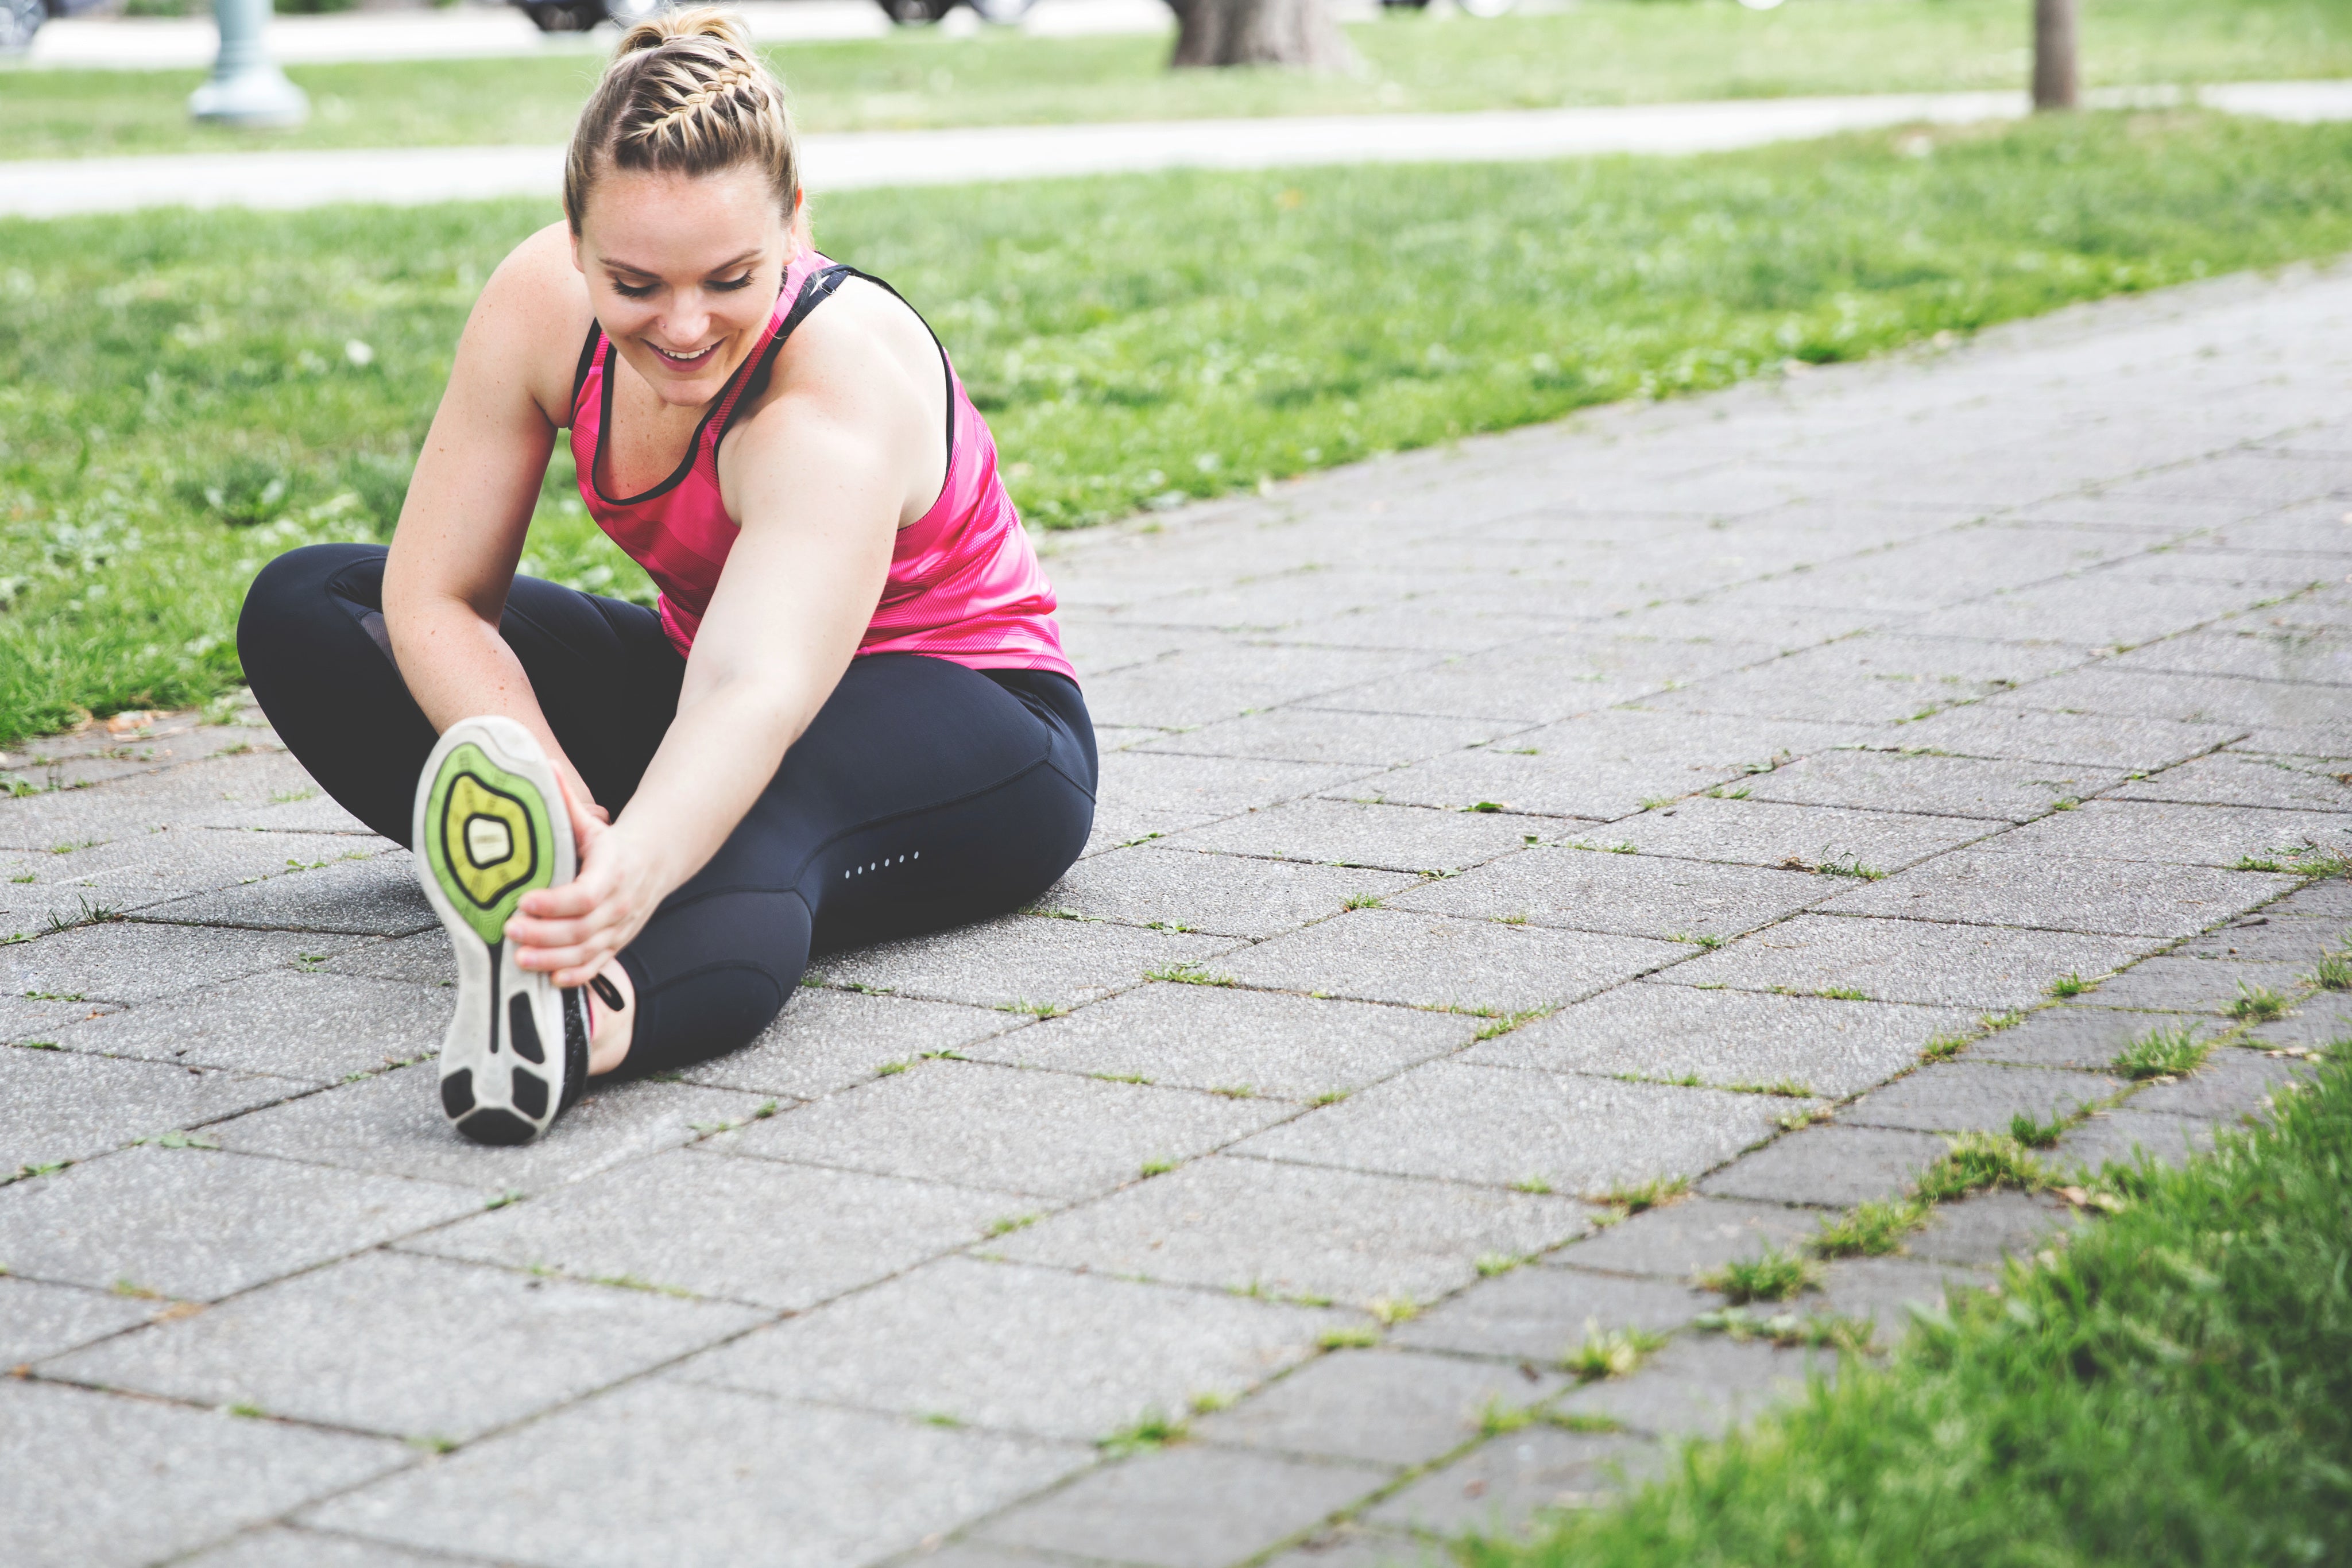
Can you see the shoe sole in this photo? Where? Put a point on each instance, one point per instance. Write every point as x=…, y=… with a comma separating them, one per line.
x=489, y=827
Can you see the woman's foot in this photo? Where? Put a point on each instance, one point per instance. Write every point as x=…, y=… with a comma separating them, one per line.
x=612, y=1019
x=490, y=827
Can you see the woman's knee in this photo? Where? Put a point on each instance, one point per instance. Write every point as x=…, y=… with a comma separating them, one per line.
x=712, y=971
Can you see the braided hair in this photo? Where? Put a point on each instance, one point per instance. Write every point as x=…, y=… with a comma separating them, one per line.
x=684, y=94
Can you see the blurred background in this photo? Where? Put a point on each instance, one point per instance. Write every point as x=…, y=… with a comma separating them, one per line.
x=186, y=390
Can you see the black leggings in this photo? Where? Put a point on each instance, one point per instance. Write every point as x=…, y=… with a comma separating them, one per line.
x=923, y=794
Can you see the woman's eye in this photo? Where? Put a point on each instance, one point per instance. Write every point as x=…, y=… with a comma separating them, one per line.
x=631, y=291
x=731, y=284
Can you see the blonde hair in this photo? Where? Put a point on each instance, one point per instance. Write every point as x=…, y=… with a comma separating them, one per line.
x=684, y=94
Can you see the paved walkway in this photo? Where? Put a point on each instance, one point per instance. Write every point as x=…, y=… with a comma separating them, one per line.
x=1485, y=833
x=477, y=31
x=42, y=188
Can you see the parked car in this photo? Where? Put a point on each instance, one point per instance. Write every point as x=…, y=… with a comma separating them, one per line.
x=921, y=13
x=20, y=19
x=579, y=15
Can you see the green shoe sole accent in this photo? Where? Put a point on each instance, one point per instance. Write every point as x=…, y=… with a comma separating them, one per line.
x=489, y=838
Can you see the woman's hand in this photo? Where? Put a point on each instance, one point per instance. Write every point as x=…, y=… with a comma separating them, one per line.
x=574, y=929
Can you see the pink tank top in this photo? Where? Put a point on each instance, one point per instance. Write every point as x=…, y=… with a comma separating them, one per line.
x=964, y=584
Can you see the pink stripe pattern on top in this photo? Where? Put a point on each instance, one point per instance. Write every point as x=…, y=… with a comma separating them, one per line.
x=964, y=583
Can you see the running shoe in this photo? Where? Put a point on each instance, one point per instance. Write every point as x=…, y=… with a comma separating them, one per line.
x=490, y=827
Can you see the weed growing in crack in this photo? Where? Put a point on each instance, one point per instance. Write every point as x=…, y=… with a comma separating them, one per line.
x=1005, y=1225
x=1188, y=974
x=1362, y=901
x=2034, y=1134
x=1943, y=1047
x=1868, y=1230
x=1976, y=1161
x=2070, y=984
x=1772, y=1275
x=1353, y=1336
x=2163, y=1053
x=1851, y=866
x=1152, y=1429
x=1617, y=1353
x=2333, y=973
x=1781, y=1088
x=2257, y=1004
x=1655, y=1193
x=1790, y=1329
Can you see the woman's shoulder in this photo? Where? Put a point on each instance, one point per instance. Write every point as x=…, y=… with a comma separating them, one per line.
x=532, y=316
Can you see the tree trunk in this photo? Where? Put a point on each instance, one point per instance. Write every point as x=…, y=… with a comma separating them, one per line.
x=2053, y=53
x=1297, y=33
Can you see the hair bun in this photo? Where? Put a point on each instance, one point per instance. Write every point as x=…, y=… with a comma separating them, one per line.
x=697, y=22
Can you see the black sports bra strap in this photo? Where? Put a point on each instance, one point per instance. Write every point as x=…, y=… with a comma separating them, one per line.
x=817, y=288
x=946, y=370
x=587, y=359
x=820, y=288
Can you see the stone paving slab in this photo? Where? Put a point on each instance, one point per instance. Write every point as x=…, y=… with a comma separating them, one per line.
x=1938, y=786
x=1501, y=1487
x=1635, y=896
x=1697, y=1386
x=1501, y=1126
x=302, y=1024
x=2190, y=835
x=1538, y=1315
x=58, y=1106
x=1220, y=895
x=1908, y=961
x=1380, y=1407
x=1007, y=1347
x=392, y=1124
x=1049, y=1134
x=280, y=1546
x=1024, y=1175
x=1300, y=1231
x=1352, y=833
x=1980, y=1097
x=122, y=962
x=130, y=1482
x=198, y=1224
x=1019, y=960
x=344, y=1346
x=1223, y=1038
x=1433, y=961
x=749, y=1480
x=40, y=1319
x=2064, y=893
x=2064, y=739
x=1728, y=1039
x=1802, y=837
x=785, y=1237
x=1183, y=1508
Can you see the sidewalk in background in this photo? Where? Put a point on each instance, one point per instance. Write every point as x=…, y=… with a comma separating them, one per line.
x=476, y=31
x=855, y=160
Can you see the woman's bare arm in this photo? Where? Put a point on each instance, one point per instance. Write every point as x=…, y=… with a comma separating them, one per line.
x=820, y=477
x=469, y=504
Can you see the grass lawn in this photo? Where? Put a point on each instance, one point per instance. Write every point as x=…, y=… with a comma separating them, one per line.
x=2173, y=1388
x=183, y=396
x=1604, y=51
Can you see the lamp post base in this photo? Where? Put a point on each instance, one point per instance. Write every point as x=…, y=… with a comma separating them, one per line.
x=257, y=95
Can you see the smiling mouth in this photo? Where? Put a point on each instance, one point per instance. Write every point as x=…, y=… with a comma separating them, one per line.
x=685, y=361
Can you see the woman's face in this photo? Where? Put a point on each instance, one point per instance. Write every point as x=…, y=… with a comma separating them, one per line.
x=682, y=271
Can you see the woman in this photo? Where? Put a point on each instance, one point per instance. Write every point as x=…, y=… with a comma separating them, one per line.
x=850, y=718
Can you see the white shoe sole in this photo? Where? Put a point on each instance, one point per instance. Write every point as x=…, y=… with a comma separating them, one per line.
x=489, y=827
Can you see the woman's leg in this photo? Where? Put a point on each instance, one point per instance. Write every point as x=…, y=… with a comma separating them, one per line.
x=923, y=794
x=313, y=640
